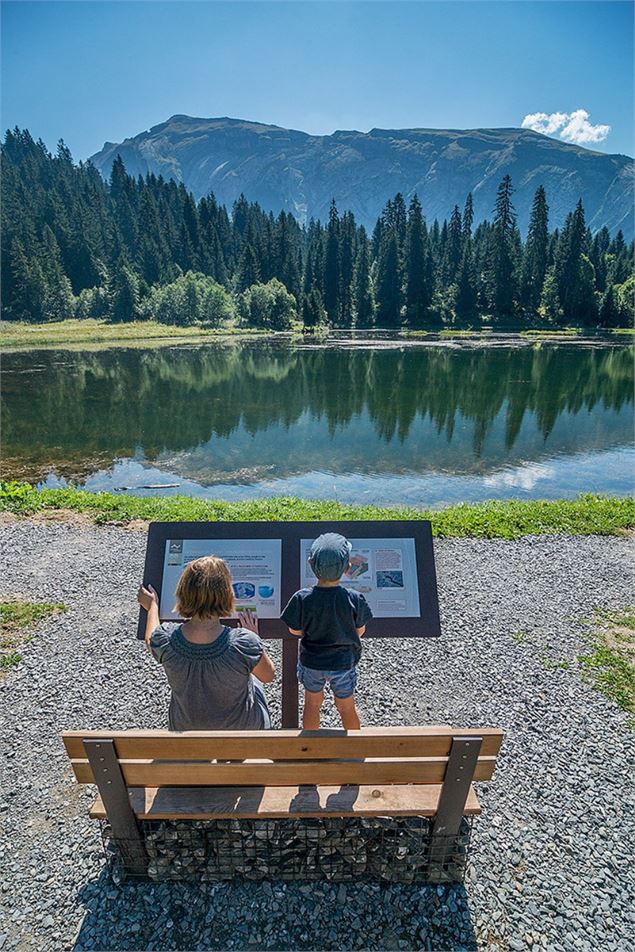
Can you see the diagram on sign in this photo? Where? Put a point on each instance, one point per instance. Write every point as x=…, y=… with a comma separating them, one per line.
x=383, y=570
x=255, y=566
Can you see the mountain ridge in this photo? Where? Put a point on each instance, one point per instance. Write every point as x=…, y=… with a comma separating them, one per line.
x=292, y=170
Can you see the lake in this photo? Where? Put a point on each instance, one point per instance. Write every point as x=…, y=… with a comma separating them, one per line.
x=424, y=424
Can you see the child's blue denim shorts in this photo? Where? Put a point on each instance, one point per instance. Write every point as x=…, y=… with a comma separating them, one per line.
x=342, y=682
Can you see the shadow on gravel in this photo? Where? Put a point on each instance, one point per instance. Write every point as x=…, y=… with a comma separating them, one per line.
x=262, y=915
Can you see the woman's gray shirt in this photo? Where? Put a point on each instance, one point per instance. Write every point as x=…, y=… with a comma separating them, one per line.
x=212, y=686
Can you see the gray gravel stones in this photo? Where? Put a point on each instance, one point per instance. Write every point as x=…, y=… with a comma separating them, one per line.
x=551, y=865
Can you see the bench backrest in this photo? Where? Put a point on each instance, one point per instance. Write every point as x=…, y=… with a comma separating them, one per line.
x=389, y=755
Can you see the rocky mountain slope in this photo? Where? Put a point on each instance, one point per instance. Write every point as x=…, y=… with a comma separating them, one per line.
x=286, y=169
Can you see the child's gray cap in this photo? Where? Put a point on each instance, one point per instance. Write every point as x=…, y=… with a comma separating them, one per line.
x=329, y=556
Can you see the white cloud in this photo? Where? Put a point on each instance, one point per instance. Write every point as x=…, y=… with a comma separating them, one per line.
x=524, y=476
x=571, y=126
x=547, y=124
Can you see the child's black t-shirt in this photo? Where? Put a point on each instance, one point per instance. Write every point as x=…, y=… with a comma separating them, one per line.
x=328, y=618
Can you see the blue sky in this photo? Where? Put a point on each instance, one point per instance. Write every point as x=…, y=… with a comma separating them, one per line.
x=92, y=71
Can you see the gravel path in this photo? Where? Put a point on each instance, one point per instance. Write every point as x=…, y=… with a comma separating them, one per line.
x=552, y=856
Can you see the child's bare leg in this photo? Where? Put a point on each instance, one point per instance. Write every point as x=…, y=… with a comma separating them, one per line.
x=348, y=712
x=312, y=707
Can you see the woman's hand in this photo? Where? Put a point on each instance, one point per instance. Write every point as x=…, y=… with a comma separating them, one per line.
x=147, y=597
x=248, y=620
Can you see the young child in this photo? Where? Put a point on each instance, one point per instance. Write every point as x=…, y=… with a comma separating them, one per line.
x=331, y=620
x=211, y=669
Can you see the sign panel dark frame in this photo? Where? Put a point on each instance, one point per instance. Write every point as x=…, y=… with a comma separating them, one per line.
x=427, y=625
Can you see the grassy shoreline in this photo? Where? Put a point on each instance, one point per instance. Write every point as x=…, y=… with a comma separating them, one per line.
x=91, y=332
x=496, y=519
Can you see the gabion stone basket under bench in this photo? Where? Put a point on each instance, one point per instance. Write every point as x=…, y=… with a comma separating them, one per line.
x=336, y=849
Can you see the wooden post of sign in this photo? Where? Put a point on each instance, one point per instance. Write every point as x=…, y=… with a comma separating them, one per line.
x=290, y=713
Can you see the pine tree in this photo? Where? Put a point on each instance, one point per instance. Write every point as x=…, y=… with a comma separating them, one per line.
x=453, y=247
x=398, y=220
x=248, y=271
x=58, y=297
x=313, y=310
x=502, y=264
x=598, y=255
x=347, y=257
x=362, y=293
x=468, y=217
x=588, y=299
x=389, y=295
x=29, y=287
x=466, y=303
x=609, y=314
x=574, y=271
x=536, y=252
x=124, y=300
x=332, y=267
x=418, y=291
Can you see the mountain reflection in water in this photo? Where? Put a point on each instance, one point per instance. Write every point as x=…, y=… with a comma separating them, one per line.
x=409, y=424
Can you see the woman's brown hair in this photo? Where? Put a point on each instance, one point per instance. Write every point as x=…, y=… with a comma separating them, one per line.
x=205, y=589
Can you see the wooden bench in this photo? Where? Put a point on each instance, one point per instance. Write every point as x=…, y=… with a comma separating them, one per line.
x=265, y=775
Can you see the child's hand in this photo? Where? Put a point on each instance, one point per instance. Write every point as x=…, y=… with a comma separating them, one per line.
x=147, y=597
x=248, y=620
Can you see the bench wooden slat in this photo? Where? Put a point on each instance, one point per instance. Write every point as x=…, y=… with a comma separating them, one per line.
x=283, y=745
x=196, y=803
x=142, y=773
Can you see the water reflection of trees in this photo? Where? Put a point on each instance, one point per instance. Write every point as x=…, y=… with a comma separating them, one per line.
x=176, y=398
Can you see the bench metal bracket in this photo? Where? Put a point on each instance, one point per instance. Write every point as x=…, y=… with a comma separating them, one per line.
x=454, y=793
x=102, y=757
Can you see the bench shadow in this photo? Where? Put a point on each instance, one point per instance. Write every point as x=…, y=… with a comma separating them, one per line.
x=251, y=915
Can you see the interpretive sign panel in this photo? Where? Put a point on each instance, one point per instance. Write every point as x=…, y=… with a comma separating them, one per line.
x=383, y=570
x=255, y=566
x=253, y=552
x=392, y=564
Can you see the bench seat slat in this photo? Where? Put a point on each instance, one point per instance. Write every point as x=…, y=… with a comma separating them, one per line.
x=195, y=803
x=148, y=773
x=433, y=741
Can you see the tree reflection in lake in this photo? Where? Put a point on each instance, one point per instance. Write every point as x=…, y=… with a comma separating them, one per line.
x=219, y=414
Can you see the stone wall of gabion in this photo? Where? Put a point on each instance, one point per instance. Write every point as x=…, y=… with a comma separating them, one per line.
x=390, y=849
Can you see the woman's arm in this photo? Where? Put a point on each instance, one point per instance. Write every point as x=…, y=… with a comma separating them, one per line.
x=148, y=599
x=265, y=670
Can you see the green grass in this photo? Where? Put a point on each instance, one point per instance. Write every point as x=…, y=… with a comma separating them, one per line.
x=17, y=620
x=9, y=660
x=466, y=332
x=91, y=331
x=511, y=519
x=554, y=332
x=520, y=637
x=610, y=662
x=554, y=664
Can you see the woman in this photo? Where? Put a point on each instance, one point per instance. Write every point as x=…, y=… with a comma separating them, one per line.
x=214, y=671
